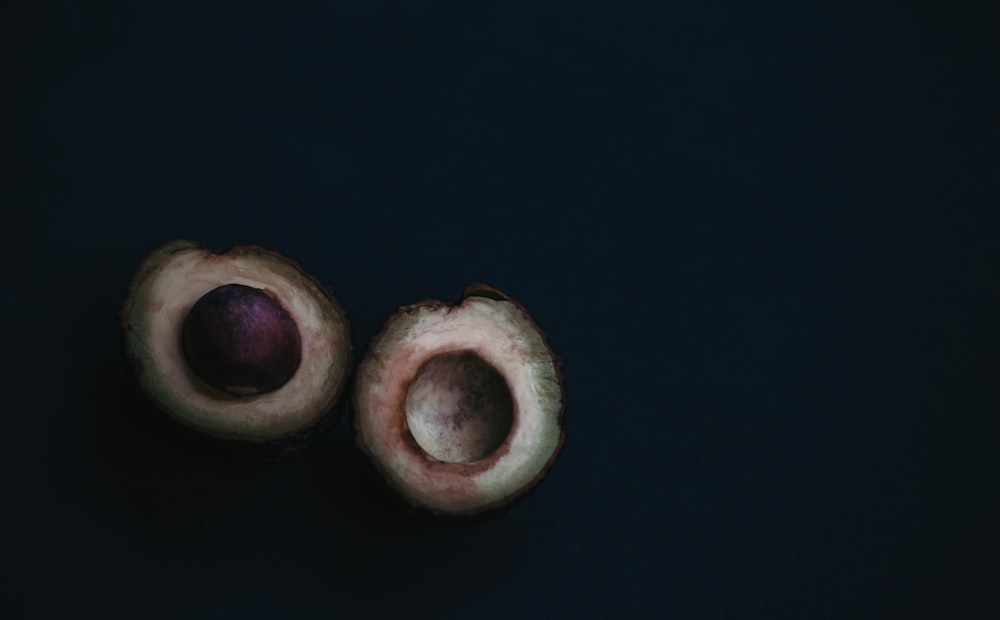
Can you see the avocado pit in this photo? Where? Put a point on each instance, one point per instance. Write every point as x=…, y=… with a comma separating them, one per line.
x=459, y=408
x=239, y=339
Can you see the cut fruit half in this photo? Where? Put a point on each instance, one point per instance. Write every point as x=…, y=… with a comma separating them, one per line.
x=241, y=344
x=460, y=406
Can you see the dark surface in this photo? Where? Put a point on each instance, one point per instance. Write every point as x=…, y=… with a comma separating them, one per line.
x=762, y=237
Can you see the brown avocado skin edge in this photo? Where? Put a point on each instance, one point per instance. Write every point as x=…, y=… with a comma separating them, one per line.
x=270, y=450
x=487, y=511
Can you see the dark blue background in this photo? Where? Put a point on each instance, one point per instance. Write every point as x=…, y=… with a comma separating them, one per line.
x=761, y=236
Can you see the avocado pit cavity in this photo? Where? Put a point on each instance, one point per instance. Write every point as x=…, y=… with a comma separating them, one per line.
x=459, y=408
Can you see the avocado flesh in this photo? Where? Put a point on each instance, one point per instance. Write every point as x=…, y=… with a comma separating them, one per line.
x=168, y=284
x=494, y=328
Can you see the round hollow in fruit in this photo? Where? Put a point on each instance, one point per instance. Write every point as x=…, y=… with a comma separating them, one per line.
x=459, y=408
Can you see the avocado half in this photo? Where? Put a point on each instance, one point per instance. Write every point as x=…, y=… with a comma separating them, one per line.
x=460, y=406
x=240, y=344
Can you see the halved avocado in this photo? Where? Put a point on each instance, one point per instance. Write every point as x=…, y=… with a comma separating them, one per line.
x=241, y=344
x=460, y=406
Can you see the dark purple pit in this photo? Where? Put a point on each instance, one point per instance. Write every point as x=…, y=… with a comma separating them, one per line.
x=239, y=339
